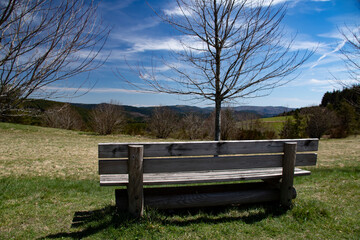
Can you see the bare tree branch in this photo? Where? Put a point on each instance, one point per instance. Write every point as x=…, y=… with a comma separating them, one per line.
x=351, y=54
x=43, y=42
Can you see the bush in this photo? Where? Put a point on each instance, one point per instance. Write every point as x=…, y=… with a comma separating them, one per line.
x=107, y=118
x=63, y=116
x=294, y=128
x=163, y=122
x=192, y=127
x=320, y=120
x=134, y=128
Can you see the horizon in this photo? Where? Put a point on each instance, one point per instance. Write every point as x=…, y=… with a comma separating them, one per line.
x=176, y=105
x=138, y=34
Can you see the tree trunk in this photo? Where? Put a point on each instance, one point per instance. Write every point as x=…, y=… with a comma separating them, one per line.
x=217, y=120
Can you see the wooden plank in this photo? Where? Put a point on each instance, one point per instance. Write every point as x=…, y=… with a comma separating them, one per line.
x=162, y=165
x=203, y=196
x=199, y=177
x=287, y=179
x=135, y=186
x=113, y=166
x=163, y=149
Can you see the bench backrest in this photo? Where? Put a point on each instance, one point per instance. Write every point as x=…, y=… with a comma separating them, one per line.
x=199, y=156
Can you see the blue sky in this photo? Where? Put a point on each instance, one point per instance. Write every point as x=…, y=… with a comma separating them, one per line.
x=138, y=35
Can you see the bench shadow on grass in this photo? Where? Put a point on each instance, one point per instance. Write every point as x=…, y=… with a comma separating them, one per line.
x=87, y=223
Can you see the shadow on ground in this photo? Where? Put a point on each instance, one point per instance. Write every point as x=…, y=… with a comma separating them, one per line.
x=88, y=223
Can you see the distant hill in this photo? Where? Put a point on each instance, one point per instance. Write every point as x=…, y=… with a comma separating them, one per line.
x=139, y=114
x=143, y=112
x=264, y=112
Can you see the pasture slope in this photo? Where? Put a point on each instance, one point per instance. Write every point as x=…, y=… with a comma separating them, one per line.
x=49, y=189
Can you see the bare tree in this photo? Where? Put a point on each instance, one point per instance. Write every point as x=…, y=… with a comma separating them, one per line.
x=351, y=53
x=106, y=118
x=235, y=49
x=163, y=122
x=43, y=42
x=63, y=117
x=192, y=126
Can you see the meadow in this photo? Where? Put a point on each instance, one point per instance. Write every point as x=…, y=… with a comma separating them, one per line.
x=49, y=190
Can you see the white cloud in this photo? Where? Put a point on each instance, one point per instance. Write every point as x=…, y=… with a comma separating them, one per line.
x=177, y=11
x=318, y=82
x=339, y=46
x=152, y=44
x=254, y=3
x=323, y=89
x=93, y=90
x=306, y=45
x=295, y=102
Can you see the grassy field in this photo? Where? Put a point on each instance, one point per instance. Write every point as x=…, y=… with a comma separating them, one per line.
x=49, y=190
x=274, y=123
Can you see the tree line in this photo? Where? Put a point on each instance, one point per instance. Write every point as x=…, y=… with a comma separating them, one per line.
x=337, y=116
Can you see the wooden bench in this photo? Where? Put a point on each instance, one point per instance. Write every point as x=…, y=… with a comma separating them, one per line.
x=221, y=164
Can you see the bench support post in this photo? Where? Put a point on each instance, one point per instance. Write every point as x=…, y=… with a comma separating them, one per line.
x=286, y=187
x=135, y=185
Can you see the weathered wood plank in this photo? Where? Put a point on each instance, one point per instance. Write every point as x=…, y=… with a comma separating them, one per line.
x=135, y=186
x=119, y=150
x=287, y=179
x=203, y=196
x=199, y=177
x=163, y=165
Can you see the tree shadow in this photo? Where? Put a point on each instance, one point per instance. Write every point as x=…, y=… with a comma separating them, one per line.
x=88, y=223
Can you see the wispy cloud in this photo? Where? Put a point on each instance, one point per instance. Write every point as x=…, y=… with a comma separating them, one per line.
x=338, y=47
x=177, y=11
x=153, y=44
x=256, y=3
x=115, y=5
x=295, y=101
x=94, y=90
x=306, y=45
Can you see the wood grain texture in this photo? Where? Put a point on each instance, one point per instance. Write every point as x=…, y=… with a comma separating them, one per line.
x=163, y=165
x=199, y=177
x=288, y=174
x=135, y=185
x=119, y=150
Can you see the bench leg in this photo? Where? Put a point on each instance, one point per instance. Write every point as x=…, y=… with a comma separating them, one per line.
x=287, y=181
x=135, y=186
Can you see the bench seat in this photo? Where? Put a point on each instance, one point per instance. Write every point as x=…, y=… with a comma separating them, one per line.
x=200, y=177
x=222, y=165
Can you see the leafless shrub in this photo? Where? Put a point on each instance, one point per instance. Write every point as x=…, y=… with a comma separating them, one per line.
x=106, y=118
x=63, y=117
x=228, y=124
x=192, y=127
x=163, y=122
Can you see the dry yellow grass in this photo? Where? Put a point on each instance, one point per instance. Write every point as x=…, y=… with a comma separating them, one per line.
x=34, y=151
x=335, y=153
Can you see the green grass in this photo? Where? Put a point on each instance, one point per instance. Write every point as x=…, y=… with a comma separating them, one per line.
x=274, y=123
x=49, y=190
